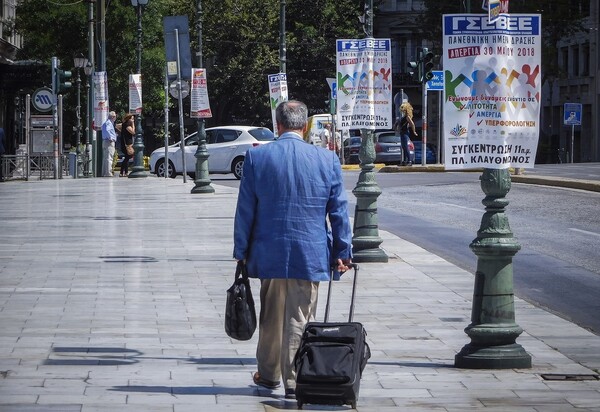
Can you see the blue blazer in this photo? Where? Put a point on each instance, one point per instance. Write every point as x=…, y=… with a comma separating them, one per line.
x=288, y=190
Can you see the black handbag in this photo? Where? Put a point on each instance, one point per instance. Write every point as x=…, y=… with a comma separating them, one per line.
x=240, y=314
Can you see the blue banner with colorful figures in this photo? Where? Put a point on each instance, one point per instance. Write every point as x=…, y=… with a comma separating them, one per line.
x=492, y=88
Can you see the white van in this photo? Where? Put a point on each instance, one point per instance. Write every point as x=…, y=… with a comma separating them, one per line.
x=315, y=126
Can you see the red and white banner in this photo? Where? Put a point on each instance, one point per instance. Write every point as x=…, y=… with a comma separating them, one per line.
x=135, y=93
x=199, y=95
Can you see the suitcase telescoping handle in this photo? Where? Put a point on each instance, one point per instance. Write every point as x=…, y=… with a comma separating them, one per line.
x=351, y=314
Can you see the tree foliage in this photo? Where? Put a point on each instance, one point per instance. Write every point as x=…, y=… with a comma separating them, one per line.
x=240, y=40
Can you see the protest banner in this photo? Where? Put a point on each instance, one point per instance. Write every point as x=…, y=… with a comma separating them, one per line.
x=278, y=92
x=364, y=84
x=492, y=87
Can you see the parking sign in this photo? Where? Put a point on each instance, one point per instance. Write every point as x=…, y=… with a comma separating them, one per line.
x=572, y=114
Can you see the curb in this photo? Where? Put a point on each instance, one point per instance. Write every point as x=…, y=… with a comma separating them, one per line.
x=589, y=185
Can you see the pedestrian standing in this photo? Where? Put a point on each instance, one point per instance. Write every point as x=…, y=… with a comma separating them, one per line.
x=406, y=127
x=109, y=138
x=127, y=133
x=291, y=225
x=325, y=135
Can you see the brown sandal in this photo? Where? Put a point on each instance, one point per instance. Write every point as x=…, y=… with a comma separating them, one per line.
x=263, y=382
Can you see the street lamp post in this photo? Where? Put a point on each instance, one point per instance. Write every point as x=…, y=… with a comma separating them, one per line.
x=366, y=240
x=79, y=62
x=138, y=145
x=202, y=179
x=88, y=70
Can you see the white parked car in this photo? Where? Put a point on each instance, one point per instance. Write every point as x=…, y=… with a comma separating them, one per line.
x=226, y=145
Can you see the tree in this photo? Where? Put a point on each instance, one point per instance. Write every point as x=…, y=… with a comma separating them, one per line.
x=55, y=29
x=240, y=48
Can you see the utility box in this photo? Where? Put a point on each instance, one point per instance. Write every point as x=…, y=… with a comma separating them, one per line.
x=42, y=135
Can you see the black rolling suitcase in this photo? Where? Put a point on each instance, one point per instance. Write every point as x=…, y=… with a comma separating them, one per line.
x=331, y=358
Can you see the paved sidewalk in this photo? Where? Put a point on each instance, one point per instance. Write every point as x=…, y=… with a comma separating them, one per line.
x=112, y=297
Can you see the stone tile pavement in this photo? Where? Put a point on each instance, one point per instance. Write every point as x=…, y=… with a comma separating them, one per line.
x=112, y=296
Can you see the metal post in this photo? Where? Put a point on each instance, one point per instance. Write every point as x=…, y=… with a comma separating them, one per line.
x=282, y=47
x=572, y=142
x=55, y=115
x=97, y=151
x=59, y=143
x=89, y=136
x=78, y=141
x=439, y=130
x=201, y=180
x=180, y=108
x=424, y=128
x=27, y=135
x=166, y=122
x=366, y=240
x=493, y=330
x=138, y=169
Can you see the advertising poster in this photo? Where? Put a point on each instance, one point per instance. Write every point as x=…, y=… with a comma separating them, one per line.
x=199, y=95
x=492, y=86
x=135, y=93
x=364, y=84
x=100, y=81
x=278, y=92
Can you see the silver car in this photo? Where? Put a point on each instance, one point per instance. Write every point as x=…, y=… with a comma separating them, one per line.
x=388, y=148
x=226, y=145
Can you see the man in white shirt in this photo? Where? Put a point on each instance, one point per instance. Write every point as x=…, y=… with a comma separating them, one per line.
x=326, y=135
x=109, y=137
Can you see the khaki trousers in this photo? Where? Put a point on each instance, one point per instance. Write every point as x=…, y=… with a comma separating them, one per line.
x=286, y=306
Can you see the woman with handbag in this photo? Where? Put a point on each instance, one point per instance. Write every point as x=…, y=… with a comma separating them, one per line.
x=127, y=133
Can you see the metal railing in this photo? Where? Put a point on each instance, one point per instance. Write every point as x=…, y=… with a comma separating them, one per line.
x=25, y=167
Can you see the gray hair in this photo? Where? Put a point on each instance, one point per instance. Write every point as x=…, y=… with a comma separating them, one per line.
x=292, y=115
x=112, y=114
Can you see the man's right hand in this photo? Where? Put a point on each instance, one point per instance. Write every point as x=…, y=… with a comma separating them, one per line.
x=342, y=265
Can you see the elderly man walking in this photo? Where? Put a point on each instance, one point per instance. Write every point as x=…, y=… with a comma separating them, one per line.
x=291, y=226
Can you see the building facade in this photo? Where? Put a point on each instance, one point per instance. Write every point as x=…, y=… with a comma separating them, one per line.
x=579, y=64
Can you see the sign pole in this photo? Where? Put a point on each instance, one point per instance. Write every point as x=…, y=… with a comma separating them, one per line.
x=180, y=101
x=166, y=164
x=572, y=142
x=424, y=131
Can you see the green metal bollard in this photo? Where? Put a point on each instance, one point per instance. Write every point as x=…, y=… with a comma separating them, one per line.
x=366, y=240
x=493, y=330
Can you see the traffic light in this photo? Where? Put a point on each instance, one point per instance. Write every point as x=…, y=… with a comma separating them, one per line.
x=60, y=78
x=63, y=78
x=427, y=64
x=414, y=69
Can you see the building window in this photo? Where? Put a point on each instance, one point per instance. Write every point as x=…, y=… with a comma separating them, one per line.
x=402, y=5
x=576, y=61
x=585, y=60
x=564, y=59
